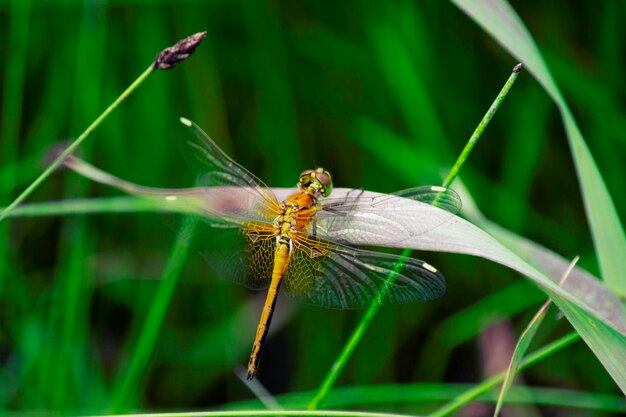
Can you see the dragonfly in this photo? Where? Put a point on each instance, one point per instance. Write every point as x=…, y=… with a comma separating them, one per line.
x=304, y=246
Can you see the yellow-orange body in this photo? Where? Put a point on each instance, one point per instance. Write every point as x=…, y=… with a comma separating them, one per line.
x=297, y=212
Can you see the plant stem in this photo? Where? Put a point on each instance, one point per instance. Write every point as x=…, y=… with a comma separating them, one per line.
x=74, y=145
x=363, y=325
x=482, y=126
x=495, y=380
x=268, y=413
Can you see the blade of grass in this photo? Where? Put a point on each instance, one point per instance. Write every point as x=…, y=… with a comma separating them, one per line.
x=130, y=376
x=490, y=383
x=269, y=413
x=365, y=322
x=86, y=206
x=74, y=145
x=467, y=323
x=524, y=342
x=458, y=236
x=259, y=391
x=581, y=283
x=418, y=393
x=499, y=19
x=167, y=59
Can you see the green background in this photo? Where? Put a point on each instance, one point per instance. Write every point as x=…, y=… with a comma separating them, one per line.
x=382, y=95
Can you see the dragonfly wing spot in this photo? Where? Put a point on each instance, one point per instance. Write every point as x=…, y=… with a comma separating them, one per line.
x=429, y=267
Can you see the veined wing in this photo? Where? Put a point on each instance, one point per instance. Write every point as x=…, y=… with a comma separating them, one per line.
x=384, y=219
x=244, y=197
x=337, y=276
x=243, y=255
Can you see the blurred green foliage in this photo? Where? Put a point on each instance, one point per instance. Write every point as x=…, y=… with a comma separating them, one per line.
x=283, y=86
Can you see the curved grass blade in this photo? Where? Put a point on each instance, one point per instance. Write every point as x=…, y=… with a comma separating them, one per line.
x=167, y=59
x=602, y=329
x=482, y=388
x=499, y=19
x=363, y=325
x=455, y=235
x=524, y=342
x=606, y=338
x=420, y=393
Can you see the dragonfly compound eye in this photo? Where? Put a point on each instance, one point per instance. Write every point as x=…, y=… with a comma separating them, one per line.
x=325, y=180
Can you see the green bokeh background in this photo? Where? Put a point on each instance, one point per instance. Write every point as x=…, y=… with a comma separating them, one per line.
x=384, y=95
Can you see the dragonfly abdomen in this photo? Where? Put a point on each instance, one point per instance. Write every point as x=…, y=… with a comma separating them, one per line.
x=281, y=262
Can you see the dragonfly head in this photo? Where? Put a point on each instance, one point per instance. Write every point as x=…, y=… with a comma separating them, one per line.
x=317, y=179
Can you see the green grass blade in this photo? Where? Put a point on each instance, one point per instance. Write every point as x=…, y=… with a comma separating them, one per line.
x=468, y=323
x=499, y=19
x=86, y=206
x=371, y=312
x=456, y=237
x=454, y=172
x=418, y=393
x=269, y=413
x=606, y=338
x=523, y=343
x=490, y=383
x=70, y=149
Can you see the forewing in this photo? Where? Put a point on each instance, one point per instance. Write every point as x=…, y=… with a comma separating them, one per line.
x=384, y=219
x=441, y=197
x=245, y=197
x=244, y=256
x=338, y=276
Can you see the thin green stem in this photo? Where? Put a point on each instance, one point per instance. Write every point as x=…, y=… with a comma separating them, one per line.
x=495, y=380
x=473, y=140
x=269, y=413
x=70, y=149
x=367, y=319
x=352, y=343
x=87, y=206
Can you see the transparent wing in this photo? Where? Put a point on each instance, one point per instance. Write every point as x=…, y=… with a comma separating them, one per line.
x=245, y=197
x=384, y=219
x=441, y=197
x=244, y=256
x=338, y=276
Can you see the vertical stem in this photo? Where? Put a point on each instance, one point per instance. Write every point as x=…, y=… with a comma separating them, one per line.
x=495, y=380
x=363, y=325
x=74, y=145
x=482, y=126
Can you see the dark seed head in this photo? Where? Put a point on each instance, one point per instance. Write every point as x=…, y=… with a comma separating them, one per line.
x=169, y=57
x=517, y=68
